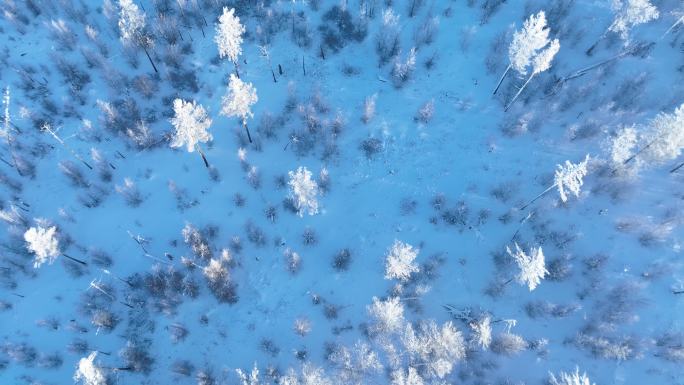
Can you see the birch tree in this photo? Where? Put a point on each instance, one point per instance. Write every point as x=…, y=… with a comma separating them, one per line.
x=132, y=28
x=239, y=100
x=399, y=261
x=665, y=137
x=303, y=191
x=540, y=63
x=191, y=123
x=228, y=36
x=568, y=177
x=628, y=14
x=526, y=42
x=532, y=267
x=572, y=378
x=87, y=373
x=43, y=243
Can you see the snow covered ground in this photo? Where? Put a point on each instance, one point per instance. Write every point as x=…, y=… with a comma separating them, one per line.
x=173, y=272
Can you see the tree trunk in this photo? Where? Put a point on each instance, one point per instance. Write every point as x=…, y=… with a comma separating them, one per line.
x=538, y=196
x=244, y=123
x=519, y=92
x=680, y=20
x=502, y=79
x=150, y=59
x=204, y=158
x=237, y=72
x=75, y=260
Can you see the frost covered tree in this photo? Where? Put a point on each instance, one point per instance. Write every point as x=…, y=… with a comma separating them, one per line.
x=409, y=377
x=622, y=144
x=482, y=332
x=43, y=243
x=402, y=70
x=399, y=261
x=388, y=315
x=191, y=122
x=228, y=36
x=540, y=63
x=526, y=42
x=664, y=137
x=387, y=40
x=355, y=364
x=309, y=375
x=87, y=373
x=239, y=100
x=680, y=20
x=434, y=348
x=251, y=378
x=132, y=28
x=303, y=191
x=570, y=378
x=568, y=177
x=628, y=14
x=532, y=267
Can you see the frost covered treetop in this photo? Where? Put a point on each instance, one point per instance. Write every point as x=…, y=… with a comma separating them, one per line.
x=229, y=35
x=482, y=332
x=630, y=13
x=43, y=243
x=542, y=61
x=570, y=177
x=388, y=314
x=533, y=36
x=532, y=267
x=439, y=348
x=88, y=373
x=131, y=21
x=191, y=123
x=239, y=100
x=303, y=191
x=399, y=261
x=665, y=136
x=572, y=378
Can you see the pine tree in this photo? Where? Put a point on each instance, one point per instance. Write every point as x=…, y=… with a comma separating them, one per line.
x=239, y=100
x=191, y=123
x=526, y=42
x=229, y=36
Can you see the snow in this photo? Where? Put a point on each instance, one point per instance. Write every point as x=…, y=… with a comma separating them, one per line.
x=86, y=144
